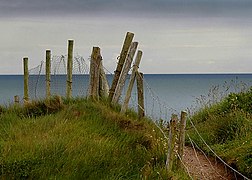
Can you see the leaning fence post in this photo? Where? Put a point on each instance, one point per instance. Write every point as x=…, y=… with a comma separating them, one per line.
x=94, y=73
x=140, y=94
x=131, y=82
x=124, y=73
x=48, y=74
x=171, y=142
x=181, y=143
x=123, y=54
x=69, y=69
x=26, y=79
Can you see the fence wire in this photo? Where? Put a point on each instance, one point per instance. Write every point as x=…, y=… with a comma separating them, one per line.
x=37, y=79
x=160, y=112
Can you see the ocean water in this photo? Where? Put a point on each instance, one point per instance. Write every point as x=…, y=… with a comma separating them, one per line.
x=164, y=93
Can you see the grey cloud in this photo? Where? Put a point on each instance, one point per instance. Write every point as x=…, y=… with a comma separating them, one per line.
x=145, y=7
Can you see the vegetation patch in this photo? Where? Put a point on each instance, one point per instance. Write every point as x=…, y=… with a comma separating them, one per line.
x=227, y=128
x=79, y=139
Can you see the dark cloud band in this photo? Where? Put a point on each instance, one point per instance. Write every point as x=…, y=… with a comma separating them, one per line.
x=186, y=7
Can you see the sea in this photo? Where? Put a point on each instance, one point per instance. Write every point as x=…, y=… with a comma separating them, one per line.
x=164, y=93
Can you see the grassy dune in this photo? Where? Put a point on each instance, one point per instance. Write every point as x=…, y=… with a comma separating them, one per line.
x=79, y=139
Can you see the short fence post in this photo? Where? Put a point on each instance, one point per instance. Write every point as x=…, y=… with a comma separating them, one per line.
x=140, y=94
x=48, y=74
x=95, y=73
x=69, y=69
x=16, y=99
x=124, y=73
x=123, y=54
x=181, y=143
x=26, y=80
x=171, y=142
x=131, y=82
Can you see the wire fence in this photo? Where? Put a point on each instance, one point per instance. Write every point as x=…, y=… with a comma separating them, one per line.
x=155, y=108
x=160, y=112
x=37, y=78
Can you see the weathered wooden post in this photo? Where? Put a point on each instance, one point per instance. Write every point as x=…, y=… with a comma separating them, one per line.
x=69, y=69
x=123, y=54
x=140, y=94
x=131, y=82
x=26, y=80
x=16, y=99
x=103, y=84
x=48, y=74
x=171, y=142
x=94, y=73
x=181, y=143
x=124, y=73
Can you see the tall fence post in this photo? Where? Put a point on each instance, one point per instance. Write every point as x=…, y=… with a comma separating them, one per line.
x=181, y=143
x=131, y=82
x=95, y=73
x=103, y=84
x=123, y=54
x=26, y=80
x=48, y=74
x=140, y=94
x=124, y=73
x=171, y=143
x=69, y=69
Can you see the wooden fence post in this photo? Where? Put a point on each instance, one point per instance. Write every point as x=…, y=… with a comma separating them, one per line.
x=69, y=69
x=26, y=80
x=140, y=94
x=94, y=73
x=124, y=73
x=103, y=84
x=123, y=54
x=181, y=143
x=16, y=99
x=131, y=82
x=48, y=74
x=171, y=142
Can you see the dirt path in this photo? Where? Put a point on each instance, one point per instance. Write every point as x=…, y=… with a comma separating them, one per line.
x=204, y=169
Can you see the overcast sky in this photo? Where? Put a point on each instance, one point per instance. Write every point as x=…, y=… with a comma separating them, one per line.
x=176, y=36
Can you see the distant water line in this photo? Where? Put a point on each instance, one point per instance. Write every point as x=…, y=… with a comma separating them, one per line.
x=174, y=91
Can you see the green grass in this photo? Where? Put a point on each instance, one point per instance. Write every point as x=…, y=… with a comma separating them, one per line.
x=79, y=139
x=227, y=128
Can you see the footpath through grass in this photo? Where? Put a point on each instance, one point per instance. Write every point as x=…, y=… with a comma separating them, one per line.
x=79, y=139
x=227, y=128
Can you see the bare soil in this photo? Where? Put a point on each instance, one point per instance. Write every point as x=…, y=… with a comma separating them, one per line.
x=201, y=167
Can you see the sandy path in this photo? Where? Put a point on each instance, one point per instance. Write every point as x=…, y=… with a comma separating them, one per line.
x=204, y=169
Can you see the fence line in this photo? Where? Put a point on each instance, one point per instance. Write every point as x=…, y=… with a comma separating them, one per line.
x=62, y=79
x=156, y=99
x=81, y=64
x=37, y=77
